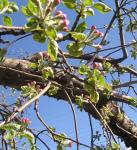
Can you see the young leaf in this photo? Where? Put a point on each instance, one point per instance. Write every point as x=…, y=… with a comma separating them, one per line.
x=87, y=2
x=51, y=32
x=53, y=49
x=70, y=3
x=88, y=12
x=84, y=70
x=26, y=11
x=32, y=7
x=74, y=49
x=27, y=135
x=7, y=20
x=102, y=8
x=81, y=27
x=38, y=37
x=78, y=36
x=10, y=135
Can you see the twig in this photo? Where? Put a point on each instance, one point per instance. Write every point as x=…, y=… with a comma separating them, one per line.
x=53, y=133
x=121, y=34
x=74, y=116
x=103, y=121
x=91, y=127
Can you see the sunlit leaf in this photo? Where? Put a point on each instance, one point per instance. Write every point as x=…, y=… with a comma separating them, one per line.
x=53, y=49
x=101, y=7
x=7, y=20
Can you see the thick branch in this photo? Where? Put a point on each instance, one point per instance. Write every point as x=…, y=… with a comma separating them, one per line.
x=15, y=73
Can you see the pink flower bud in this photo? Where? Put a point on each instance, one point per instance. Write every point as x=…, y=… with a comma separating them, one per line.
x=101, y=34
x=99, y=47
x=68, y=143
x=93, y=28
x=65, y=29
x=66, y=22
x=57, y=2
x=45, y=55
x=97, y=65
x=58, y=13
x=97, y=32
x=40, y=55
x=64, y=16
x=26, y=121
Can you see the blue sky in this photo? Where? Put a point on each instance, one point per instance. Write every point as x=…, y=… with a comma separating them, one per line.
x=58, y=113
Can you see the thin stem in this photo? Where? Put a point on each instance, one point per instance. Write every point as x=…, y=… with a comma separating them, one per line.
x=91, y=127
x=75, y=119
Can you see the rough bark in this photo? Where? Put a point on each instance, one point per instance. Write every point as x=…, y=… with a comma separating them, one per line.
x=15, y=73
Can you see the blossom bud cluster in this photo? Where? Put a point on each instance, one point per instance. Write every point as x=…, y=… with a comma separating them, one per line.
x=94, y=35
x=97, y=65
x=97, y=32
x=26, y=121
x=63, y=21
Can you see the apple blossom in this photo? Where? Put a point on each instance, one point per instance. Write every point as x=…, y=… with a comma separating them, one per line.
x=59, y=36
x=68, y=143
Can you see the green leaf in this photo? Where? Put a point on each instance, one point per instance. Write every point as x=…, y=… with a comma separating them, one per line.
x=51, y=32
x=5, y=2
x=59, y=147
x=32, y=22
x=14, y=7
x=53, y=90
x=3, y=6
x=27, y=135
x=53, y=49
x=70, y=3
x=47, y=72
x=78, y=36
x=33, y=65
x=89, y=12
x=2, y=54
x=101, y=7
x=79, y=101
x=75, y=49
x=84, y=70
x=7, y=20
x=81, y=27
x=39, y=37
x=10, y=135
x=26, y=11
x=132, y=26
x=87, y=2
x=32, y=7
x=94, y=97
x=10, y=126
x=33, y=147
